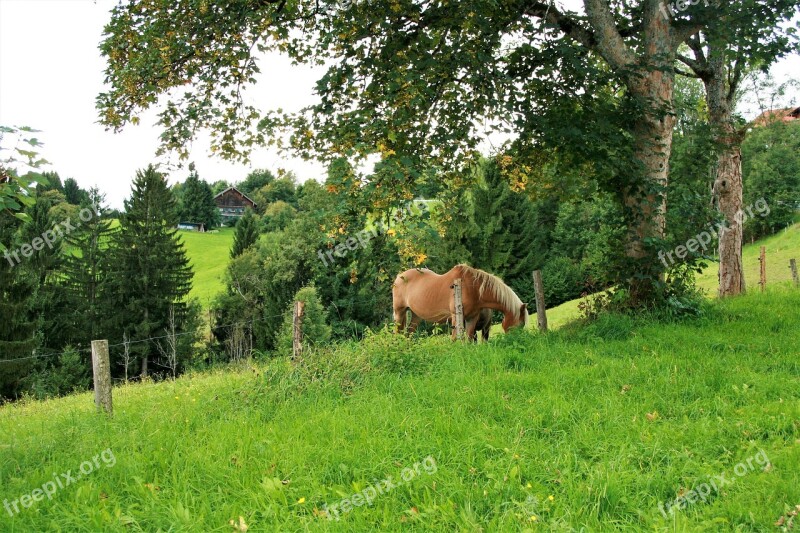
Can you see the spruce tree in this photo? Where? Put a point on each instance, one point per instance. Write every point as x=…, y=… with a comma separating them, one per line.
x=198, y=202
x=246, y=234
x=505, y=234
x=150, y=272
x=17, y=329
x=84, y=273
x=74, y=194
x=44, y=231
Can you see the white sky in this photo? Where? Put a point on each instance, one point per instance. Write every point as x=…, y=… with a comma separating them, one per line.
x=51, y=71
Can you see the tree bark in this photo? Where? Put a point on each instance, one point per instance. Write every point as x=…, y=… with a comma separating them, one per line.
x=727, y=188
x=649, y=77
x=646, y=198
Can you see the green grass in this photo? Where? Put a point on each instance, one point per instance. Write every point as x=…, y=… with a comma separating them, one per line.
x=779, y=249
x=209, y=254
x=582, y=428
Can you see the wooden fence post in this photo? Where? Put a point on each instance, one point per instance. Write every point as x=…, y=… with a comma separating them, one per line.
x=763, y=260
x=102, y=376
x=459, y=305
x=793, y=266
x=541, y=312
x=297, y=329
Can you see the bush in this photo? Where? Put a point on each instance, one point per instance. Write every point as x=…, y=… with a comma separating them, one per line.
x=70, y=374
x=316, y=331
x=563, y=280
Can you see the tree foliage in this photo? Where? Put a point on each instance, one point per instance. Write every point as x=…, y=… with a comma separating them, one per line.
x=197, y=202
x=18, y=326
x=771, y=170
x=246, y=233
x=150, y=271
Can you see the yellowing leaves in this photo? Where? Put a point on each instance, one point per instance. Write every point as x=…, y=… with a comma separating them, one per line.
x=385, y=150
x=240, y=525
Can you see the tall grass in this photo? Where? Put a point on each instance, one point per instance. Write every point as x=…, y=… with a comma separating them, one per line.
x=583, y=428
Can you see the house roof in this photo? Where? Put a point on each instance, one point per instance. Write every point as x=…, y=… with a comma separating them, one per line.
x=777, y=115
x=237, y=190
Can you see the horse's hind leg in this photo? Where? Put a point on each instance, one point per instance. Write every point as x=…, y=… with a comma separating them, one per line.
x=471, y=324
x=400, y=318
x=412, y=326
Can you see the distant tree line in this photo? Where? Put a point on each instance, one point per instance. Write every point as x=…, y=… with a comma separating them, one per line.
x=122, y=280
x=124, y=276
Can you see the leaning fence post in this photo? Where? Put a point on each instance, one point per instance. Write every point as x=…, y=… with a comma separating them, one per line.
x=297, y=329
x=763, y=260
x=793, y=266
x=459, y=305
x=102, y=376
x=541, y=312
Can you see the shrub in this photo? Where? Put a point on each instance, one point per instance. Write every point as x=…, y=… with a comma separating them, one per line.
x=563, y=280
x=316, y=330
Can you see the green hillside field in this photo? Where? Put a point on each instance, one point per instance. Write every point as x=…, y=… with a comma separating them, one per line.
x=209, y=254
x=624, y=424
x=779, y=249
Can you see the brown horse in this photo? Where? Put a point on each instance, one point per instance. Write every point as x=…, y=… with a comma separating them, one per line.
x=429, y=296
x=484, y=324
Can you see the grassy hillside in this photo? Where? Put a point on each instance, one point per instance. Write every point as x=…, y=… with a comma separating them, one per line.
x=779, y=249
x=209, y=254
x=592, y=430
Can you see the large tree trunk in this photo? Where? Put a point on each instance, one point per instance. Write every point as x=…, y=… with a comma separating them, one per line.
x=646, y=199
x=649, y=76
x=727, y=188
x=728, y=195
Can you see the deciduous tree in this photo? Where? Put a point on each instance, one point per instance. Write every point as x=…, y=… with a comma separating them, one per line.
x=414, y=80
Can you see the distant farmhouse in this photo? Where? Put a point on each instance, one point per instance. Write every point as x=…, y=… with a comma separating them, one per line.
x=789, y=114
x=232, y=203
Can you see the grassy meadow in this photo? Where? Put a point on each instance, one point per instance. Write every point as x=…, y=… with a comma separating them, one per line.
x=598, y=428
x=779, y=249
x=209, y=254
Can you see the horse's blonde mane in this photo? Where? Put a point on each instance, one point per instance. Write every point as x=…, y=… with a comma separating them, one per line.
x=504, y=294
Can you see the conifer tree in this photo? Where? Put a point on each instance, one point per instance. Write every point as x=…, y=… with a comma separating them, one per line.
x=85, y=271
x=150, y=272
x=198, y=201
x=246, y=234
x=17, y=329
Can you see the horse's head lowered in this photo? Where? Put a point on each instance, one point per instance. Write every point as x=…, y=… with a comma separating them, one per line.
x=520, y=318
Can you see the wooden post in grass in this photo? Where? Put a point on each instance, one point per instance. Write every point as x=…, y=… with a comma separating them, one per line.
x=793, y=267
x=297, y=329
x=102, y=376
x=541, y=313
x=459, y=305
x=763, y=260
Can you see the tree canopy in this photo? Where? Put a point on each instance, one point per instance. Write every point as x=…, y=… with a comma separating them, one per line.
x=420, y=82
